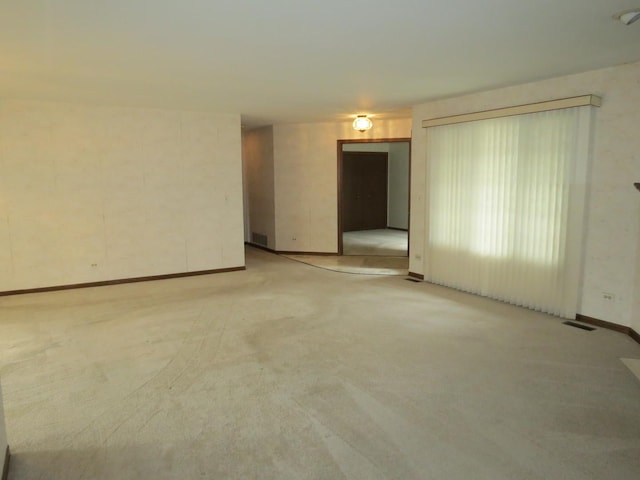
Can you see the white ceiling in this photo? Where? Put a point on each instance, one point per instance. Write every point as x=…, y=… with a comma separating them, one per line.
x=278, y=61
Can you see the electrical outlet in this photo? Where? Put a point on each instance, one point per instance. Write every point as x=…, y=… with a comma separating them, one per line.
x=609, y=297
x=293, y=238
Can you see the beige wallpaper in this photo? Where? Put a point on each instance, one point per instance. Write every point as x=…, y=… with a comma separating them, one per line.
x=306, y=180
x=613, y=228
x=97, y=193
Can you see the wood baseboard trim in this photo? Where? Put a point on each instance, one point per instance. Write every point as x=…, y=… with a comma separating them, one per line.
x=5, y=467
x=609, y=326
x=602, y=323
x=419, y=276
x=260, y=247
x=120, y=281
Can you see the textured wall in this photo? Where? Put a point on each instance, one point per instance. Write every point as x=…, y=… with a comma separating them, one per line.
x=259, y=168
x=306, y=180
x=613, y=205
x=398, y=185
x=98, y=193
x=3, y=433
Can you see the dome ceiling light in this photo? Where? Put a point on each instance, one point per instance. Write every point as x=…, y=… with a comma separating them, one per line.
x=362, y=123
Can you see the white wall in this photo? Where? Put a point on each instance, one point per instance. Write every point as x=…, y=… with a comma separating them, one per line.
x=246, y=217
x=613, y=229
x=398, y=209
x=306, y=180
x=366, y=147
x=259, y=168
x=92, y=193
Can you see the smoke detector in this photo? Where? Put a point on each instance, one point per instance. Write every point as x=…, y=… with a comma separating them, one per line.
x=629, y=16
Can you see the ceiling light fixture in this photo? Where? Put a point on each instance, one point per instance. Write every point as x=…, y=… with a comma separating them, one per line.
x=362, y=123
x=630, y=16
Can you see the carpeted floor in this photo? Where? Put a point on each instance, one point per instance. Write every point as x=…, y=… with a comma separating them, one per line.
x=634, y=365
x=384, y=242
x=360, y=264
x=286, y=371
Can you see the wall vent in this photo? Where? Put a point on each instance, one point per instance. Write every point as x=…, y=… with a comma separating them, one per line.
x=259, y=239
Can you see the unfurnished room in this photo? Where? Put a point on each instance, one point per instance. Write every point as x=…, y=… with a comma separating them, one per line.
x=319, y=240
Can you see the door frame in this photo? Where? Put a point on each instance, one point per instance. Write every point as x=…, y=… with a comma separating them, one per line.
x=340, y=161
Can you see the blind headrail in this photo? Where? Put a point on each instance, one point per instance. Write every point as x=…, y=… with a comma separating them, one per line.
x=581, y=101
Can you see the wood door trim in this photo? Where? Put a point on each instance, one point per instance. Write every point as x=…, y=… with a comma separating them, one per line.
x=5, y=463
x=374, y=140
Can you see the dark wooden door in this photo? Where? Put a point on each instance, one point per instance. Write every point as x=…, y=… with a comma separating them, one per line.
x=364, y=190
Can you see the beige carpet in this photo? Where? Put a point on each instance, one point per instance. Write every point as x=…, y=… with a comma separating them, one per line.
x=634, y=365
x=361, y=264
x=384, y=242
x=291, y=372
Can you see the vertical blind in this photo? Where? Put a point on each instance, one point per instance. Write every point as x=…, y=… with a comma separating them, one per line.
x=506, y=206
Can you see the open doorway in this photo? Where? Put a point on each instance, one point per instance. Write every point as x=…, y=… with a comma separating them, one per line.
x=373, y=197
